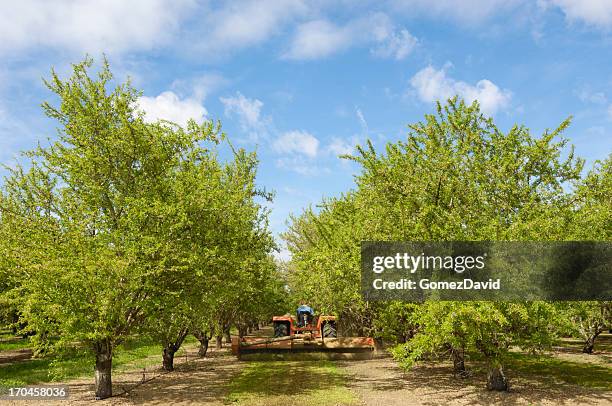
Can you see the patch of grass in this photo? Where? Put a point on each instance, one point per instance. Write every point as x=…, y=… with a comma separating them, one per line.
x=5, y=332
x=549, y=368
x=137, y=356
x=602, y=343
x=546, y=366
x=11, y=343
x=290, y=383
x=134, y=353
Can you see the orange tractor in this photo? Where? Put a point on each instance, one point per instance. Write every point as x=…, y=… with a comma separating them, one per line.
x=303, y=337
x=321, y=326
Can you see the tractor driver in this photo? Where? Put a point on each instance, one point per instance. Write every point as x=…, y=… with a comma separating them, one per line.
x=304, y=314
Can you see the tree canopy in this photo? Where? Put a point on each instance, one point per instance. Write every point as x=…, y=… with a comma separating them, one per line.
x=456, y=177
x=121, y=226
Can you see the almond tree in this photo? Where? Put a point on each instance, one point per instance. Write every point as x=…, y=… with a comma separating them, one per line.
x=455, y=177
x=216, y=243
x=83, y=215
x=592, y=221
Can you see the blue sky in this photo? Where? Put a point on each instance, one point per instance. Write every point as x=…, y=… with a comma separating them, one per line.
x=304, y=81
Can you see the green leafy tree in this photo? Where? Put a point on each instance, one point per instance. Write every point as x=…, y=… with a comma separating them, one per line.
x=82, y=219
x=455, y=177
x=592, y=215
x=221, y=239
x=588, y=320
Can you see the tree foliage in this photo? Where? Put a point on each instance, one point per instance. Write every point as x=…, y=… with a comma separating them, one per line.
x=120, y=226
x=456, y=177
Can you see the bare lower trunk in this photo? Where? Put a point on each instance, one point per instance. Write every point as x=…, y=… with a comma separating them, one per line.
x=228, y=337
x=203, y=337
x=104, y=364
x=243, y=330
x=589, y=344
x=170, y=348
x=203, y=347
x=458, y=361
x=219, y=341
x=168, y=359
x=496, y=380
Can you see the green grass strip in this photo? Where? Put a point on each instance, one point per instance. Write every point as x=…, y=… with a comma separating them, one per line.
x=293, y=383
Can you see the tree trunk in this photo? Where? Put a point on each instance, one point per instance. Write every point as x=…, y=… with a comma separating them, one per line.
x=104, y=363
x=203, y=347
x=228, y=337
x=458, y=361
x=219, y=342
x=589, y=344
x=168, y=358
x=204, y=338
x=171, y=348
x=496, y=380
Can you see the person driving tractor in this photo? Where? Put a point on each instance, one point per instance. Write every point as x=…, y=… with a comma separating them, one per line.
x=305, y=314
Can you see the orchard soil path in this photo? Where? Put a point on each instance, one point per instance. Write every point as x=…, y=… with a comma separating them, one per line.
x=194, y=381
x=380, y=382
x=206, y=381
x=11, y=356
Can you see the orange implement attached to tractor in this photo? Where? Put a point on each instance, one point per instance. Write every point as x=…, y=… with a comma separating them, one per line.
x=303, y=337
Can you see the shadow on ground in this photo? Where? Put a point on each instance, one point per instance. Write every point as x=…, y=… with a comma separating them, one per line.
x=381, y=382
x=11, y=356
x=201, y=381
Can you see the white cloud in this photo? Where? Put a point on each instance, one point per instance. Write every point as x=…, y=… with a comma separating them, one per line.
x=248, y=112
x=240, y=24
x=168, y=106
x=89, y=25
x=339, y=146
x=362, y=121
x=346, y=146
x=301, y=165
x=316, y=39
x=320, y=38
x=297, y=143
x=200, y=86
x=431, y=85
x=398, y=45
x=593, y=12
x=117, y=26
x=587, y=96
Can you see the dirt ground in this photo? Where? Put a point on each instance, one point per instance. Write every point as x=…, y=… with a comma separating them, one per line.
x=381, y=382
x=195, y=381
x=8, y=357
x=205, y=381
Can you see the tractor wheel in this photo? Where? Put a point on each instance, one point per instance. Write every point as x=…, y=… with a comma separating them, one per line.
x=280, y=330
x=329, y=330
